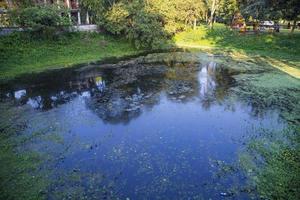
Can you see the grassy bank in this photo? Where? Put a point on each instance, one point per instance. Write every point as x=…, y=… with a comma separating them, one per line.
x=283, y=46
x=21, y=54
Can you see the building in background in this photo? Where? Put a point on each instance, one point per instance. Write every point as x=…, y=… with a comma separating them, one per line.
x=78, y=15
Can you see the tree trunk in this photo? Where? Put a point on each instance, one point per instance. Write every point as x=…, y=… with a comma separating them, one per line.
x=211, y=21
x=232, y=20
x=195, y=23
x=294, y=26
x=78, y=18
x=87, y=21
x=9, y=4
x=68, y=4
x=212, y=13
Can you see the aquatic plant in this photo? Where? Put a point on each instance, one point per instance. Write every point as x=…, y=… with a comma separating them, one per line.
x=272, y=164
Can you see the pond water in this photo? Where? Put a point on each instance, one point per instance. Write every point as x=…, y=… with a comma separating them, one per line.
x=141, y=129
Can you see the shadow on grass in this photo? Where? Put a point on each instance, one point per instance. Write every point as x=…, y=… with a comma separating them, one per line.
x=274, y=45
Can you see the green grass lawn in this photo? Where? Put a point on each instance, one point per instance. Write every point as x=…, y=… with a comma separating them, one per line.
x=283, y=46
x=21, y=54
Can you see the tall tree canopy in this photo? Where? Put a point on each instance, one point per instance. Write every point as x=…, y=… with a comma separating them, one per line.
x=146, y=22
x=149, y=22
x=271, y=9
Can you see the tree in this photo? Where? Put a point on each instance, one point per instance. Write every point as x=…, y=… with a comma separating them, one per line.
x=253, y=8
x=227, y=10
x=44, y=20
x=189, y=11
x=290, y=10
x=213, y=6
x=146, y=22
x=20, y=3
x=272, y=9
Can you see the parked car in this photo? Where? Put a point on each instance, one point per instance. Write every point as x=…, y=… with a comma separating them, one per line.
x=266, y=25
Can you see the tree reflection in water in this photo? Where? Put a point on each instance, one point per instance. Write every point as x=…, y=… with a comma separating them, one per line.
x=145, y=130
x=119, y=94
x=207, y=79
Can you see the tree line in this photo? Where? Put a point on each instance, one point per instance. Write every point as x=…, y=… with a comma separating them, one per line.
x=148, y=23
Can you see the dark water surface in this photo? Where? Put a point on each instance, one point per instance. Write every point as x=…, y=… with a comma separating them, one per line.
x=140, y=130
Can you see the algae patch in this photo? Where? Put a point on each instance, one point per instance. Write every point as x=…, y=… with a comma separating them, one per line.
x=21, y=176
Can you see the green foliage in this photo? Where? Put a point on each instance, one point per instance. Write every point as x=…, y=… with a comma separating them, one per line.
x=23, y=3
x=116, y=19
x=271, y=9
x=135, y=21
x=141, y=30
x=288, y=9
x=254, y=8
x=273, y=165
x=227, y=10
x=19, y=53
x=43, y=20
x=186, y=12
x=146, y=23
x=142, y=27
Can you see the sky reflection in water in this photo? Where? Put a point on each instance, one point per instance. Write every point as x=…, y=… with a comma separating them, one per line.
x=151, y=132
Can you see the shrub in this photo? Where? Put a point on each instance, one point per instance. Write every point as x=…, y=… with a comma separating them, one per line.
x=146, y=23
x=41, y=20
x=143, y=28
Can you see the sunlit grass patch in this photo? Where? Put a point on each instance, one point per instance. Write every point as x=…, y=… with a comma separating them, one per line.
x=277, y=46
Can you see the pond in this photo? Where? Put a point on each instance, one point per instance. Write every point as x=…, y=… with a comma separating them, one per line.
x=161, y=126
